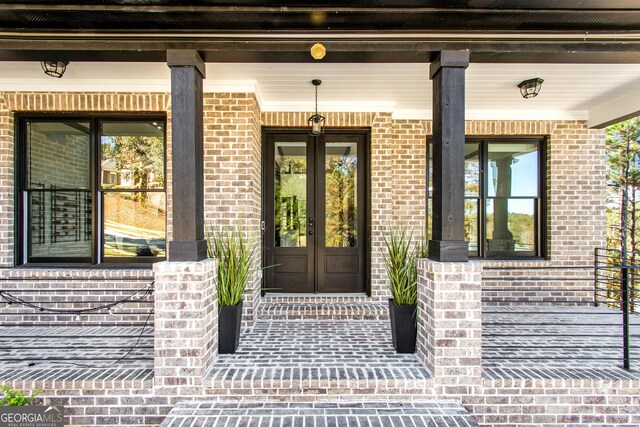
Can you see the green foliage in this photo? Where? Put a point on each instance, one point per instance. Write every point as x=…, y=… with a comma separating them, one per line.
x=400, y=262
x=236, y=258
x=13, y=397
x=623, y=172
x=142, y=156
x=291, y=199
x=623, y=178
x=341, y=207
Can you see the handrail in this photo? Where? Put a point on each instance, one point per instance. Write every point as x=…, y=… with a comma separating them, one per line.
x=619, y=286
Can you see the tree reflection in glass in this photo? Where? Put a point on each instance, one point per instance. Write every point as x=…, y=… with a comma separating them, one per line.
x=290, y=194
x=132, y=177
x=341, y=174
x=512, y=187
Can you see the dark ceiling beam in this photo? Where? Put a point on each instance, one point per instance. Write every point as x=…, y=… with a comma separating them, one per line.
x=126, y=16
x=152, y=8
x=309, y=5
x=154, y=50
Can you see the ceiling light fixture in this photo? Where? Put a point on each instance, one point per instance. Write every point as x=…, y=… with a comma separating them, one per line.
x=316, y=122
x=318, y=51
x=54, y=68
x=530, y=88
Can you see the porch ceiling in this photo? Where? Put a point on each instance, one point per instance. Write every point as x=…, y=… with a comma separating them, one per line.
x=558, y=31
x=571, y=91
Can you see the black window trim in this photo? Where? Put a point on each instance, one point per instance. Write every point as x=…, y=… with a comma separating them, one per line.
x=540, y=202
x=96, y=260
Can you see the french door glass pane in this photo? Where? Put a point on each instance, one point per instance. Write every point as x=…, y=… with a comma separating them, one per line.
x=134, y=224
x=341, y=179
x=511, y=226
x=471, y=225
x=132, y=155
x=513, y=169
x=290, y=194
x=472, y=169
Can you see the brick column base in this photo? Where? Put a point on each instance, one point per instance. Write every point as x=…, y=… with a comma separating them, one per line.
x=186, y=325
x=449, y=340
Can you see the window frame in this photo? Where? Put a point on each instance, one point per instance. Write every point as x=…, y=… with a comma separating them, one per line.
x=540, y=202
x=23, y=235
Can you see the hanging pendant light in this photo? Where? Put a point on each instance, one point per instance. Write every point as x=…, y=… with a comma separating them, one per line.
x=316, y=122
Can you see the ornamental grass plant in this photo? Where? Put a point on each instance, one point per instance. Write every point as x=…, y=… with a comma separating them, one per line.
x=400, y=262
x=236, y=258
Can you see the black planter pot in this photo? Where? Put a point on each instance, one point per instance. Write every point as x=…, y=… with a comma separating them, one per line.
x=229, y=321
x=404, y=327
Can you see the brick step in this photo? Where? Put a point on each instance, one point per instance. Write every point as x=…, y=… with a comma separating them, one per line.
x=230, y=414
x=313, y=382
x=315, y=358
x=323, y=311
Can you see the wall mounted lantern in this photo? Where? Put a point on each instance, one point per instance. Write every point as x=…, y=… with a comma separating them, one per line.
x=54, y=68
x=530, y=88
x=316, y=122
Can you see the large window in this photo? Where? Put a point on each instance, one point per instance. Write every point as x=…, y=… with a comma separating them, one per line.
x=92, y=189
x=503, y=197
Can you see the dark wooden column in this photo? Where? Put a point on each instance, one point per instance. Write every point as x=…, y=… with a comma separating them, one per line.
x=187, y=72
x=447, y=72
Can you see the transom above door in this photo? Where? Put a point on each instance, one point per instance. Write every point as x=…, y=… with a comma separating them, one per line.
x=315, y=210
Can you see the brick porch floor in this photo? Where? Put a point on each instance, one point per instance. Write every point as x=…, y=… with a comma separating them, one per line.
x=336, y=344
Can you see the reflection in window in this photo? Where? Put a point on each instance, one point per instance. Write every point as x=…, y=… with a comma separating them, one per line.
x=511, y=226
x=341, y=182
x=291, y=194
x=472, y=170
x=58, y=155
x=471, y=225
x=132, y=155
x=58, y=201
x=134, y=224
x=513, y=169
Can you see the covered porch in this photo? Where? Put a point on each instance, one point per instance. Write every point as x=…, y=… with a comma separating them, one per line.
x=505, y=186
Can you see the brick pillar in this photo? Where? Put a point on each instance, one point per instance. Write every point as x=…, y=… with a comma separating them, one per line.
x=186, y=325
x=450, y=325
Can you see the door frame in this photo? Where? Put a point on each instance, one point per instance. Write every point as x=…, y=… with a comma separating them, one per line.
x=366, y=131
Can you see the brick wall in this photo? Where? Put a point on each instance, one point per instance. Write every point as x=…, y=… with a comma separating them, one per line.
x=73, y=289
x=449, y=340
x=233, y=174
x=60, y=221
x=77, y=102
x=575, y=170
x=232, y=143
x=556, y=402
x=56, y=287
x=575, y=192
x=186, y=325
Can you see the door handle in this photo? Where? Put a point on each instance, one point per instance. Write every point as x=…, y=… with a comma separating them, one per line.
x=310, y=222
